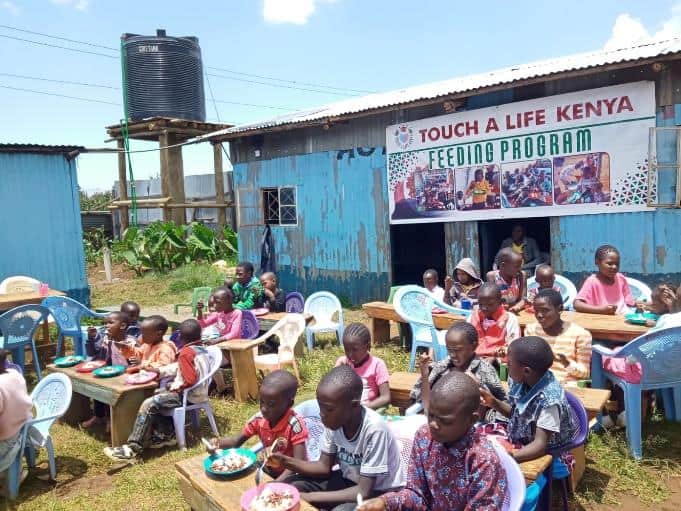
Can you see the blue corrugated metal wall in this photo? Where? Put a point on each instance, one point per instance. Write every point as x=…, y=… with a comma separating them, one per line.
x=342, y=240
x=40, y=229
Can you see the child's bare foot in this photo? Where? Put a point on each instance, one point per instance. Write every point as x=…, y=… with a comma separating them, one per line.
x=91, y=422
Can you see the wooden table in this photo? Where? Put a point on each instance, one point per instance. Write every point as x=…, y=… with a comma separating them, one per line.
x=243, y=367
x=601, y=326
x=205, y=493
x=124, y=400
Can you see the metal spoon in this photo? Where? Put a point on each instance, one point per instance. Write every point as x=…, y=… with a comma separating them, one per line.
x=258, y=477
x=359, y=501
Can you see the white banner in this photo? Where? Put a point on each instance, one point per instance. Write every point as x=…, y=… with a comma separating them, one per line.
x=572, y=154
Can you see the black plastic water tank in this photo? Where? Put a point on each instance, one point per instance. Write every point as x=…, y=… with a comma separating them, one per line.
x=164, y=77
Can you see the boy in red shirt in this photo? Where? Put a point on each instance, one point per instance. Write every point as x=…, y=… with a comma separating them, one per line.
x=276, y=420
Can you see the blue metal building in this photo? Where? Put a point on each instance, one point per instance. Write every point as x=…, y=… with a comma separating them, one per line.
x=318, y=177
x=40, y=227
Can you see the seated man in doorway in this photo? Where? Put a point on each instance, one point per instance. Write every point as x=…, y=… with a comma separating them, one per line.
x=527, y=247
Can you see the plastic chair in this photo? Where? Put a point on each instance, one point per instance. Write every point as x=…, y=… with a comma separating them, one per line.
x=309, y=411
x=533, y=492
x=567, y=289
x=323, y=305
x=560, y=470
x=658, y=354
x=16, y=367
x=400, y=326
x=68, y=314
x=250, y=328
x=51, y=398
x=639, y=290
x=515, y=493
x=199, y=294
x=179, y=414
x=288, y=329
x=295, y=302
x=404, y=431
x=391, y=295
x=18, y=326
x=415, y=305
x=19, y=284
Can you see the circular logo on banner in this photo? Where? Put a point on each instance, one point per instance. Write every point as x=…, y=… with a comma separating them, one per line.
x=404, y=136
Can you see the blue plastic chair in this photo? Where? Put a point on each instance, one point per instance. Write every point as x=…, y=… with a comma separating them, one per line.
x=658, y=353
x=415, y=304
x=567, y=289
x=51, y=399
x=323, y=305
x=295, y=302
x=639, y=290
x=515, y=493
x=18, y=327
x=68, y=314
x=179, y=414
x=309, y=411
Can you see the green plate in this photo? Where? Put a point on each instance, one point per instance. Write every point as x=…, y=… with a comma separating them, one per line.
x=637, y=318
x=108, y=371
x=221, y=454
x=69, y=361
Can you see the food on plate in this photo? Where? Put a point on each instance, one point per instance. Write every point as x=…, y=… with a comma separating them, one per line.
x=272, y=500
x=278, y=446
x=230, y=462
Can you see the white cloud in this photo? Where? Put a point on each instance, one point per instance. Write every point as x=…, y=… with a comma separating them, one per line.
x=79, y=5
x=290, y=11
x=10, y=7
x=628, y=31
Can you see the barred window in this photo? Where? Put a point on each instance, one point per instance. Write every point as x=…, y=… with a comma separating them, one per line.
x=279, y=205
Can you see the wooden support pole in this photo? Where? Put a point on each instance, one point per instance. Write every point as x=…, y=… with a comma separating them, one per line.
x=163, y=142
x=122, y=186
x=219, y=186
x=176, y=179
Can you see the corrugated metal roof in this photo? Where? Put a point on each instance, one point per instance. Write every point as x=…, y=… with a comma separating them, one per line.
x=38, y=148
x=464, y=84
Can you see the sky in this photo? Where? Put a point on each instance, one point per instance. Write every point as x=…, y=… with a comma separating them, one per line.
x=332, y=48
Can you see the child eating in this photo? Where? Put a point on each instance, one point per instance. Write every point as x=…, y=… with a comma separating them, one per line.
x=461, y=340
x=132, y=309
x=496, y=327
x=247, y=290
x=154, y=352
x=540, y=416
x=606, y=292
x=570, y=343
x=226, y=319
x=453, y=468
x=465, y=285
x=115, y=349
x=273, y=297
x=276, y=420
x=357, y=439
x=430, y=282
x=95, y=335
x=510, y=279
x=666, y=303
x=372, y=370
x=193, y=364
x=546, y=279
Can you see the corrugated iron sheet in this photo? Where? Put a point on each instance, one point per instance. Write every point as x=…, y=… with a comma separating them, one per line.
x=39, y=148
x=544, y=68
x=342, y=240
x=40, y=226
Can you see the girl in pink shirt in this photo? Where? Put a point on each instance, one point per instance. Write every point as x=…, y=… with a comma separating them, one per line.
x=372, y=370
x=226, y=319
x=606, y=292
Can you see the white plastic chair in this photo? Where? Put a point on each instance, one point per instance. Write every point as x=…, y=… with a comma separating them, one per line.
x=19, y=284
x=404, y=430
x=567, y=289
x=288, y=329
x=179, y=414
x=639, y=290
x=515, y=494
x=51, y=398
x=323, y=305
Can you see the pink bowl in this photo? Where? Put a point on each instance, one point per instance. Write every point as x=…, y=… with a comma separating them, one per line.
x=260, y=312
x=250, y=495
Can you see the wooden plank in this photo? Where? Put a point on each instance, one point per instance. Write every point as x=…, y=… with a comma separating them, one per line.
x=219, y=185
x=124, y=413
x=243, y=368
x=175, y=172
x=11, y=300
x=200, y=204
x=141, y=202
x=163, y=142
x=122, y=185
x=534, y=468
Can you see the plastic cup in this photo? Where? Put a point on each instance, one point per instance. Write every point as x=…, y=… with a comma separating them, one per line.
x=466, y=304
x=44, y=289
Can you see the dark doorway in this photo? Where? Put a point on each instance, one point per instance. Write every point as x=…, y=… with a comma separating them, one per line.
x=493, y=232
x=416, y=248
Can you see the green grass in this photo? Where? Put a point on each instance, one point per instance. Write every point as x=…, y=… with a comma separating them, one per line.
x=87, y=480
